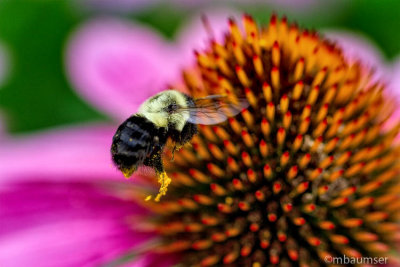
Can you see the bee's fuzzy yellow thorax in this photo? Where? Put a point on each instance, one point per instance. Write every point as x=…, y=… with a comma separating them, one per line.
x=153, y=109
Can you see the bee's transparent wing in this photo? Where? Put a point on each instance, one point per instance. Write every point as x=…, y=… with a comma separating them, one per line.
x=215, y=109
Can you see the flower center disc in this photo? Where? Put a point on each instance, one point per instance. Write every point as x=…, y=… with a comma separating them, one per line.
x=304, y=173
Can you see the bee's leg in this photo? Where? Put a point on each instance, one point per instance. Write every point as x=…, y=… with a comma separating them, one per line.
x=187, y=133
x=173, y=153
x=163, y=178
x=176, y=147
x=176, y=139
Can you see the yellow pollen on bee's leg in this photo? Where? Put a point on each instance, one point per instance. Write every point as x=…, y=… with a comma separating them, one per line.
x=164, y=180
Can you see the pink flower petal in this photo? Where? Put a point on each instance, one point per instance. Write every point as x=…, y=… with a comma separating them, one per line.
x=194, y=36
x=394, y=84
x=357, y=47
x=393, y=93
x=116, y=65
x=46, y=224
x=152, y=259
x=77, y=153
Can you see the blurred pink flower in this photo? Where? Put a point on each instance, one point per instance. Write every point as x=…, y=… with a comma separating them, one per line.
x=395, y=78
x=72, y=154
x=194, y=36
x=62, y=201
x=360, y=47
x=116, y=65
x=65, y=224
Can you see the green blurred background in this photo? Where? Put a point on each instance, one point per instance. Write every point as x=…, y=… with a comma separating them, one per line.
x=37, y=95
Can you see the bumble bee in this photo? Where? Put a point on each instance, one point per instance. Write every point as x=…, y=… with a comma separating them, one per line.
x=141, y=138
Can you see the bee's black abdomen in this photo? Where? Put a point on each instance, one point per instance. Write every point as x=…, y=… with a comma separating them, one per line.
x=135, y=140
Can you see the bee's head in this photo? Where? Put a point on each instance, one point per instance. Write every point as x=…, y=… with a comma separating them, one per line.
x=165, y=109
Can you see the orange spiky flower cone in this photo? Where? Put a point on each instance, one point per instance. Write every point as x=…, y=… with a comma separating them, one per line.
x=304, y=173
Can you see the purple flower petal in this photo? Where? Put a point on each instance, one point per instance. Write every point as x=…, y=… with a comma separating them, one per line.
x=65, y=224
x=393, y=93
x=194, y=36
x=78, y=153
x=357, y=47
x=394, y=84
x=152, y=259
x=116, y=65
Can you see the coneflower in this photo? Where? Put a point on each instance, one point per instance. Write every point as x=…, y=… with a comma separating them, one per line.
x=305, y=172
